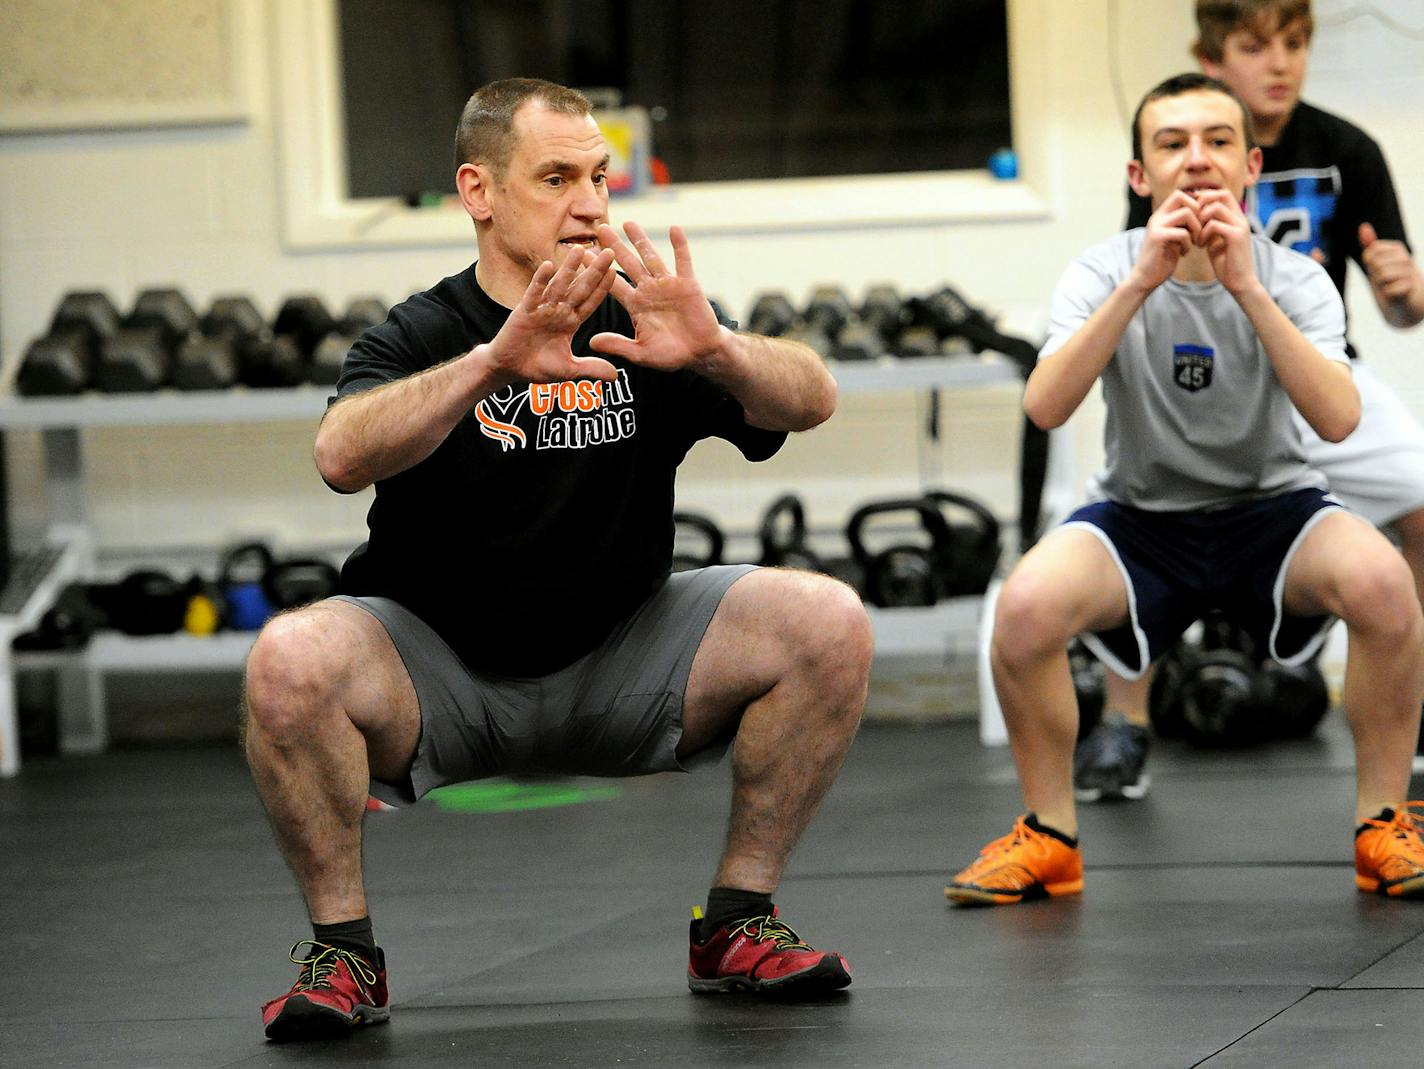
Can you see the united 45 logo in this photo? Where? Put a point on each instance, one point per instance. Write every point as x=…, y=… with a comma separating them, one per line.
x=1191, y=366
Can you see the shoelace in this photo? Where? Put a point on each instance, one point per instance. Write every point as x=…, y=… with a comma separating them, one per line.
x=1405, y=826
x=773, y=930
x=1021, y=833
x=318, y=968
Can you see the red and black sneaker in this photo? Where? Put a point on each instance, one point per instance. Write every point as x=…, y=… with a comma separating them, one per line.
x=335, y=991
x=762, y=955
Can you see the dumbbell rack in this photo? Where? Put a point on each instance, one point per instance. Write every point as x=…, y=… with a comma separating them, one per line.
x=70, y=549
x=70, y=540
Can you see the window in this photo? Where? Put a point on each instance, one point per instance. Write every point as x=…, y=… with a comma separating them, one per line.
x=741, y=89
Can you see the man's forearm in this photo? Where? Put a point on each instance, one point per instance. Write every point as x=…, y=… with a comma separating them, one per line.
x=1322, y=390
x=383, y=431
x=782, y=385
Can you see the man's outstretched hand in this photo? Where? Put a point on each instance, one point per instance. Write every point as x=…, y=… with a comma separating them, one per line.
x=535, y=342
x=673, y=324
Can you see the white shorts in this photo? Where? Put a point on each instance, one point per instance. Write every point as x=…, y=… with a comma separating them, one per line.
x=1378, y=471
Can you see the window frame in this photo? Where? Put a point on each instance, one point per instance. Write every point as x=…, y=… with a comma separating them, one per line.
x=318, y=214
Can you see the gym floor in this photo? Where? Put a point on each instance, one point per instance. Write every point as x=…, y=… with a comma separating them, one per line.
x=147, y=914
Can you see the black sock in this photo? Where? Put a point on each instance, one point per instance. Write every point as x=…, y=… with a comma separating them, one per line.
x=728, y=904
x=1032, y=822
x=1386, y=814
x=355, y=936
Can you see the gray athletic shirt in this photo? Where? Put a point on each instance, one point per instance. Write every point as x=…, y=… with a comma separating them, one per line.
x=1196, y=417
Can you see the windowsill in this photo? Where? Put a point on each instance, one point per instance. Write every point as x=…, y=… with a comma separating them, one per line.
x=710, y=208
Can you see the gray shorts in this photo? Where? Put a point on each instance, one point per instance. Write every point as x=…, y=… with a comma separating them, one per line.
x=617, y=711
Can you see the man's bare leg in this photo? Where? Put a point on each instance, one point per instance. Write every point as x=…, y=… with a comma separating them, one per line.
x=328, y=705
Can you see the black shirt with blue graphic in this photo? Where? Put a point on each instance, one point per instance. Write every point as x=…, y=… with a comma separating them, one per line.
x=1319, y=182
x=545, y=517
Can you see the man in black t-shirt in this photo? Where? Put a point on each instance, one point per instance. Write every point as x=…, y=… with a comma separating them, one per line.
x=1324, y=190
x=512, y=611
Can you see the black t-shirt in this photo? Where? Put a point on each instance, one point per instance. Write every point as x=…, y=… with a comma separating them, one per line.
x=1319, y=182
x=545, y=517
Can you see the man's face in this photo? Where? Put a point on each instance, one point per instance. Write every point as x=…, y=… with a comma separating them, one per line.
x=554, y=191
x=1192, y=141
x=1265, y=72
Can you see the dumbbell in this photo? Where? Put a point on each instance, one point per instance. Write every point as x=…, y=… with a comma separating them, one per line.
x=971, y=551
x=698, y=528
x=61, y=362
x=812, y=337
x=304, y=319
x=915, y=341
x=904, y=573
x=883, y=311
x=827, y=310
x=139, y=358
x=330, y=353
x=782, y=536
x=858, y=340
x=772, y=314
x=211, y=359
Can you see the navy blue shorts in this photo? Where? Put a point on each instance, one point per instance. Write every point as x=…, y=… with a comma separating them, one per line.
x=1178, y=565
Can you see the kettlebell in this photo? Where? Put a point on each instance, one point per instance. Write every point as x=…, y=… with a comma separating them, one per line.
x=1089, y=686
x=288, y=584
x=906, y=573
x=1294, y=698
x=971, y=552
x=782, y=534
x=240, y=581
x=1221, y=694
x=694, y=525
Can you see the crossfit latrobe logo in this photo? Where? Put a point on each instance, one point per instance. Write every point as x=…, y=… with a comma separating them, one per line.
x=569, y=415
x=1191, y=366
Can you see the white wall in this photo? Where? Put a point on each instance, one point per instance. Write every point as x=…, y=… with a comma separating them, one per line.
x=207, y=208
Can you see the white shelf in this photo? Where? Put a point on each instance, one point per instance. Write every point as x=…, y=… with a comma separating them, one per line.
x=923, y=373
x=170, y=407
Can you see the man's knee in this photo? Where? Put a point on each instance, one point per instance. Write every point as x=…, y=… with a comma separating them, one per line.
x=833, y=631
x=296, y=667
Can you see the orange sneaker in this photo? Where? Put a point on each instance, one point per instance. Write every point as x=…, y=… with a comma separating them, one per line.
x=1389, y=854
x=1026, y=863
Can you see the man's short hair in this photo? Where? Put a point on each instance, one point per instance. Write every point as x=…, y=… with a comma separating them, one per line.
x=1192, y=82
x=486, y=131
x=1216, y=19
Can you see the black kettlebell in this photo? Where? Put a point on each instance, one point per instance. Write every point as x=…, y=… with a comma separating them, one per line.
x=903, y=574
x=1221, y=694
x=782, y=534
x=1294, y=698
x=289, y=584
x=694, y=525
x=972, y=550
x=1164, y=695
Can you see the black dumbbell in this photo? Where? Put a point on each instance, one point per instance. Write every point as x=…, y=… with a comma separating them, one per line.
x=827, y=310
x=905, y=573
x=330, y=353
x=211, y=360
x=810, y=336
x=269, y=361
x=858, y=340
x=695, y=527
x=782, y=535
x=139, y=358
x=884, y=311
x=772, y=314
x=917, y=341
x=61, y=363
x=304, y=319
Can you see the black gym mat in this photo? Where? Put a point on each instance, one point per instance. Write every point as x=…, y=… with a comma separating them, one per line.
x=147, y=915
